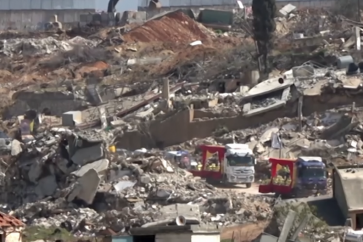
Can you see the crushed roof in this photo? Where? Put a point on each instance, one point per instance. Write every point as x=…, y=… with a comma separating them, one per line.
x=9, y=221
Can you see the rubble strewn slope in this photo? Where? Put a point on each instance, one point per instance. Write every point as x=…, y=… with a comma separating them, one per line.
x=76, y=108
x=119, y=191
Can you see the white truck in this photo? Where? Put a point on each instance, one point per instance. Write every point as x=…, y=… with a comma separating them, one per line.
x=238, y=165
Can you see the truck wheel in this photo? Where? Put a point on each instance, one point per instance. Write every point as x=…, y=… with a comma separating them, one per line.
x=248, y=185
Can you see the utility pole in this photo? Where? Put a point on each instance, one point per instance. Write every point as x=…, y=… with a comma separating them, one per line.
x=166, y=92
x=299, y=112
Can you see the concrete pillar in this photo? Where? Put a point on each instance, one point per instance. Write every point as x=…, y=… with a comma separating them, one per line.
x=55, y=18
x=252, y=77
x=166, y=89
x=357, y=36
x=255, y=76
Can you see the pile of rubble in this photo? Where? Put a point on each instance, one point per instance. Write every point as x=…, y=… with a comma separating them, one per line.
x=65, y=178
x=34, y=47
x=69, y=176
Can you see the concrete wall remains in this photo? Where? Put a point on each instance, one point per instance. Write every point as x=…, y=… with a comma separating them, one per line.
x=57, y=102
x=339, y=194
x=163, y=133
x=36, y=19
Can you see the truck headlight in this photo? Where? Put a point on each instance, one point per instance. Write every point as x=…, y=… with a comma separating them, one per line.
x=251, y=177
x=233, y=177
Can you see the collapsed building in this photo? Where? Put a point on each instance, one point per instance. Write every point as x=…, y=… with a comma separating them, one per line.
x=86, y=152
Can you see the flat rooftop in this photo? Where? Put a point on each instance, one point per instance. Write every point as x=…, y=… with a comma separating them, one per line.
x=352, y=181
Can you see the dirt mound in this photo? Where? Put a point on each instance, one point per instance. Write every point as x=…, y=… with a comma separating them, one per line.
x=190, y=53
x=96, y=69
x=173, y=27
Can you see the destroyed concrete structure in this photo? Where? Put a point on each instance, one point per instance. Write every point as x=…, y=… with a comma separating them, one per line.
x=346, y=179
x=90, y=119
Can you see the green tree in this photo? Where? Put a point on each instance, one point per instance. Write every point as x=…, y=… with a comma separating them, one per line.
x=264, y=13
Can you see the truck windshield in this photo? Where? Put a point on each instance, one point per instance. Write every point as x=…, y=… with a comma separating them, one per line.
x=237, y=160
x=313, y=172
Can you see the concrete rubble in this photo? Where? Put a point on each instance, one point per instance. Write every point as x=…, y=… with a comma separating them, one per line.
x=58, y=180
x=87, y=121
x=48, y=45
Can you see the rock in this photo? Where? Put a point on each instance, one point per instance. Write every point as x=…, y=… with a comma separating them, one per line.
x=83, y=156
x=35, y=171
x=88, y=186
x=15, y=148
x=46, y=186
x=145, y=179
x=98, y=166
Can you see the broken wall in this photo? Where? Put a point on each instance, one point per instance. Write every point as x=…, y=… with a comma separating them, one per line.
x=57, y=102
x=182, y=126
x=308, y=42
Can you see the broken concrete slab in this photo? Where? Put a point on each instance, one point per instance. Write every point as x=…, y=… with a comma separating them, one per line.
x=186, y=210
x=351, y=82
x=83, y=156
x=304, y=71
x=117, y=123
x=285, y=94
x=260, y=110
x=287, y=9
x=46, y=186
x=268, y=86
x=145, y=113
x=121, y=185
x=35, y=171
x=339, y=128
x=98, y=166
x=86, y=187
x=63, y=165
x=15, y=148
x=166, y=164
x=72, y=118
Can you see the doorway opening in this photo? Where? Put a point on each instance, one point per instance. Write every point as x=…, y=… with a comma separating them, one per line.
x=144, y=238
x=359, y=221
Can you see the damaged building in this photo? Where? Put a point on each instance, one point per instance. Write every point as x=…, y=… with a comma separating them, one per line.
x=347, y=180
x=88, y=122
x=11, y=228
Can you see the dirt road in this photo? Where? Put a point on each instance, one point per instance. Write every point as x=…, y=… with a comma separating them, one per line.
x=242, y=188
